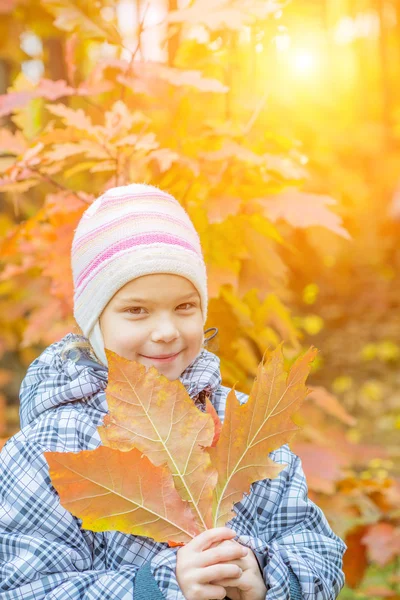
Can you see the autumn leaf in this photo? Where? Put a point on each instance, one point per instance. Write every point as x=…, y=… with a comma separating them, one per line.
x=74, y=118
x=3, y=420
x=7, y=6
x=256, y=272
x=56, y=249
x=281, y=319
x=10, y=245
x=145, y=142
x=119, y=119
x=101, y=167
x=219, y=276
x=13, y=100
x=8, y=185
x=46, y=88
x=383, y=543
x=52, y=90
x=324, y=472
x=164, y=158
x=355, y=560
x=221, y=13
x=50, y=313
x=224, y=249
x=252, y=430
x=149, y=75
x=217, y=423
x=303, y=210
x=157, y=416
x=74, y=18
x=13, y=143
x=233, y=150
x=68, y=149
x=286, y=167
x=191, y=78
x=113, y=490
x=331, y=405
x=221, y=206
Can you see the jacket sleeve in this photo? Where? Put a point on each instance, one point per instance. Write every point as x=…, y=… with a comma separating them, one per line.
x=44, y=553
x=297, y=551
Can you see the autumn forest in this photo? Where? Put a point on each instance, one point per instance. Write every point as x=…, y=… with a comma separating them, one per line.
x=276, y=124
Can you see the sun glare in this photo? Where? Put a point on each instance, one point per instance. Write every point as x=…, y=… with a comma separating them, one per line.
x=304, y=62
x=283, y=42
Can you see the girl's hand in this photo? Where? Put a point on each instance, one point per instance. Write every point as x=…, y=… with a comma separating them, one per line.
x=250, y=585
x=198, y=565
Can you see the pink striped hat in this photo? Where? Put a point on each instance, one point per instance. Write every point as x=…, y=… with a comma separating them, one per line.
x=128, y=232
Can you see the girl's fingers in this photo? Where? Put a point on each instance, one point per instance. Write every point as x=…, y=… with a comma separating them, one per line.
x=218, y=572
x=239, y=562
x=205, y=539
x=244, y=583
x=222, y=554
x=213, y=591
x=227, y=583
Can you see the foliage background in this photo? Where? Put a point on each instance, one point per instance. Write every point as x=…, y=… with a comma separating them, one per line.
x=277, y=126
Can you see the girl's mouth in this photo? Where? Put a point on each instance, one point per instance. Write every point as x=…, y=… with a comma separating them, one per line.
x=163, y=359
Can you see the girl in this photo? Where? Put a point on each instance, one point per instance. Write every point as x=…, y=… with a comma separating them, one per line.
x=140, y=289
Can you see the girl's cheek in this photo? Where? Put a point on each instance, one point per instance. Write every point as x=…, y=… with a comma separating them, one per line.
x=128, y=334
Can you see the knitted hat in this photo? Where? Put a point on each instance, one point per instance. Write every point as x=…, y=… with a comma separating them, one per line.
x=128, y=232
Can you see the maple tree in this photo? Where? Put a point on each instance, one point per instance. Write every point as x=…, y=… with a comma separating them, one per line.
x=154, y=437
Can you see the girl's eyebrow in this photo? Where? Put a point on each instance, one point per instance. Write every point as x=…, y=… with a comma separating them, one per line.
x=149, y=301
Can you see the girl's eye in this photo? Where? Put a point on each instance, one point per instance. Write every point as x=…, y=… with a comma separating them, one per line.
x=186, y=305
x=136, y=310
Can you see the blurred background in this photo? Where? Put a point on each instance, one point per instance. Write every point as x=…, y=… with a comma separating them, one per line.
x=277, y=126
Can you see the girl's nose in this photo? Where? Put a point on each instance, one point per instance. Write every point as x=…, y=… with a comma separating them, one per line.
x=165, y=331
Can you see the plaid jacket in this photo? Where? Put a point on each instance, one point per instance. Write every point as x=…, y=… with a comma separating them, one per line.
x=45, y=553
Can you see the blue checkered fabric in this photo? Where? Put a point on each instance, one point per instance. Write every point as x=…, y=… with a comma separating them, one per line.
x=46, y=554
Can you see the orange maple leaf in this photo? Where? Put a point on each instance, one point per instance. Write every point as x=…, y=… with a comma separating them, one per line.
x=157, y=416
x=124, y=491
x=254, y=429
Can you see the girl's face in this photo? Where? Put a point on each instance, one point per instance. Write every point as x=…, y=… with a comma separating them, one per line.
x=155, y=320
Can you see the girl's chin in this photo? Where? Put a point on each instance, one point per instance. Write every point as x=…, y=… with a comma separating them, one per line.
x=170, y=372
x=169, y=368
